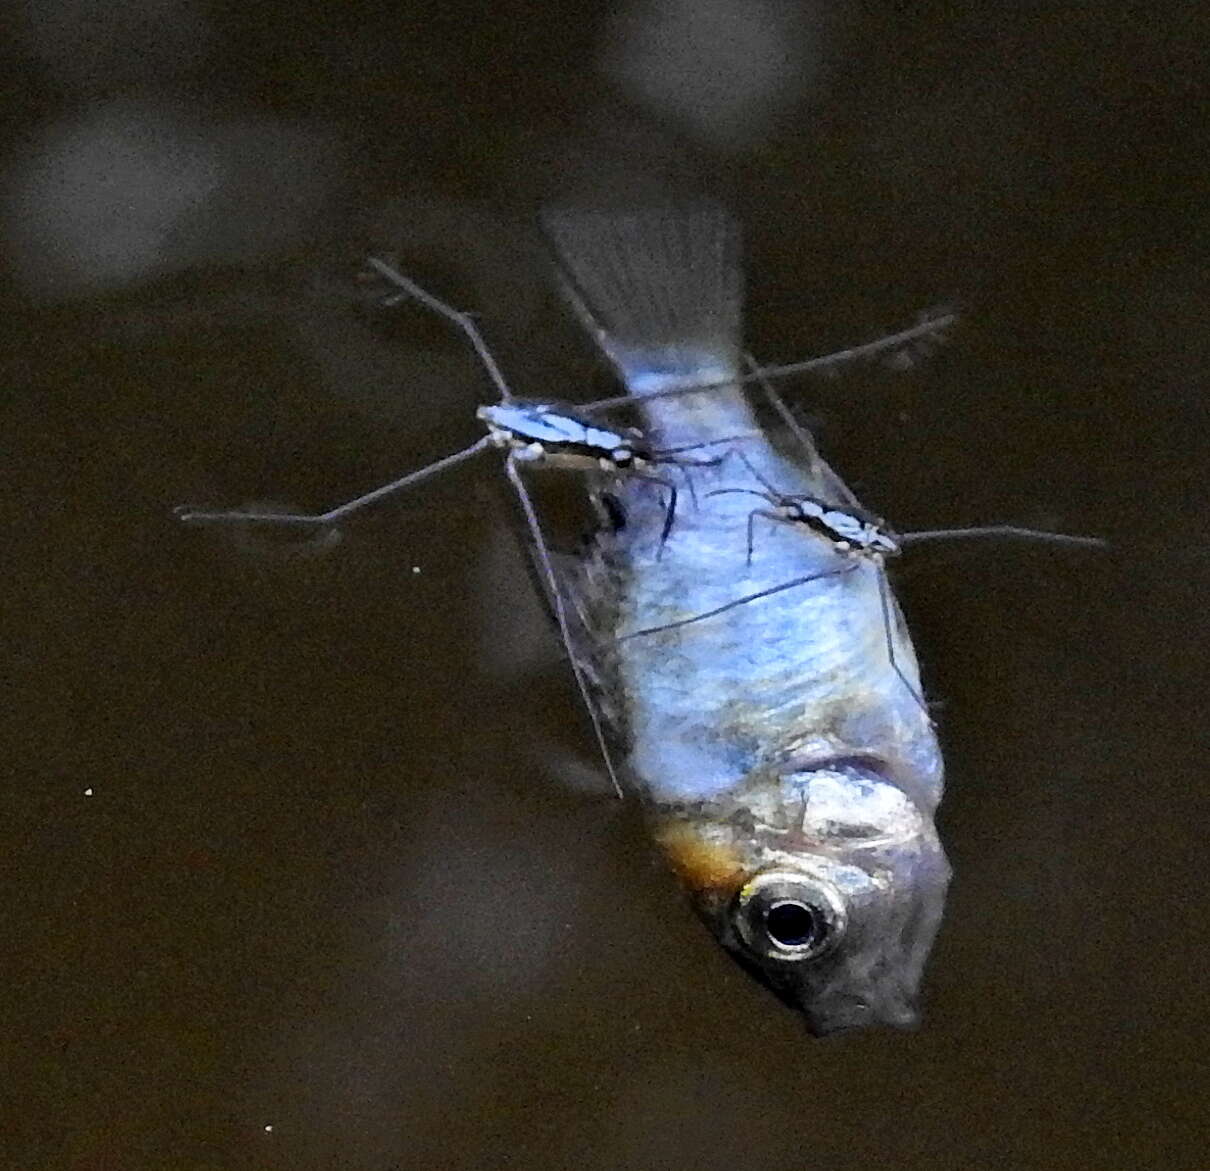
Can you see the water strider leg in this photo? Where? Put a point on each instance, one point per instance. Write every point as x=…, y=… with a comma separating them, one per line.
x=684, y=466
x=770, y=492
x=1012, y=532
x=884, y=601
x=714, y=462
x=892, y=341
x=669, y=509
x=556, y=601
x=463, y=321
x=667, y=456
x=763, y=512
x=689, y=484
x=777, y=589
x=192, y=515
x=773, y=516
x=711, y=463
x=801, y=435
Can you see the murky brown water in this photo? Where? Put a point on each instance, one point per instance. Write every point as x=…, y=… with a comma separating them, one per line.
x=288, y=842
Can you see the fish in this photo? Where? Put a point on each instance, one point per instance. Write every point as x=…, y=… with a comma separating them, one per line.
x=793, y=800
x=788, y=776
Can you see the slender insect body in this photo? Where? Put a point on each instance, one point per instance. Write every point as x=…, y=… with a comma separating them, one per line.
x=556, y=435
x=854, y=536
x=849, y=533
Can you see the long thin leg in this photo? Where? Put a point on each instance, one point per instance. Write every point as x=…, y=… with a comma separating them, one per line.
x=202, y=516
x=556, y=601
x=781, y=520
x=777, y=589
x=462, y=320
x=869, y=350
x=690, y=486
x=772, y=493
x=1010, y=531
x=658, y=456
x=884, y=601
x=669, y=511
x=773, y=516
x=737, y=492
x=800, y=433
x=683, y=465
x=737, y=452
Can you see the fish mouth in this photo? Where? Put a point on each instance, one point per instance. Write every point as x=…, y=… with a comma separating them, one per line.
x=847, y=1012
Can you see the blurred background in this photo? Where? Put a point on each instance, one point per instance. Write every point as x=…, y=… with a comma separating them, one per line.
x=307, y=860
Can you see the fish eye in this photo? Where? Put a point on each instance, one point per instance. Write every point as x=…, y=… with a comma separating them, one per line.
x=788, y=916
x=794, y=924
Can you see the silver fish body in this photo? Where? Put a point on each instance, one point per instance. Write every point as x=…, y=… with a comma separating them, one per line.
x=789, y=772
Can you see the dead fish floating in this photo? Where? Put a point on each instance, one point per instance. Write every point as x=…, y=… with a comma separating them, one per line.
x=762, y=694
x=760, y=697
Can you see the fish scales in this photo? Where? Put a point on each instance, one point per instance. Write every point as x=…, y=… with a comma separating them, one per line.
x=789, y=771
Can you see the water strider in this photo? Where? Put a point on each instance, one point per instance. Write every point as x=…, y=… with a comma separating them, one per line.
x=535, y=433
x=764, y=697
x=854, y=534
x=531, y=434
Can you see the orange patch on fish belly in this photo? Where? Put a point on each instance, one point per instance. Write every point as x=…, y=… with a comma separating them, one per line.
x=702, y=865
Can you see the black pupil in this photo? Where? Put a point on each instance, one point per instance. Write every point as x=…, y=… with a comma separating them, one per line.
x=793, y=924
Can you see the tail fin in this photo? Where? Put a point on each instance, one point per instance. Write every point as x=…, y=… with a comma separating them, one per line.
x=660, y=290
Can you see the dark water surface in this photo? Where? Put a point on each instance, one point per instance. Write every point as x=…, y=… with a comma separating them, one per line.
x=289, y=841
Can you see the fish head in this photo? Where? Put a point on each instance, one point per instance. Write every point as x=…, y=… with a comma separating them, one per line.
x=846, y=949
x=831, y=899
